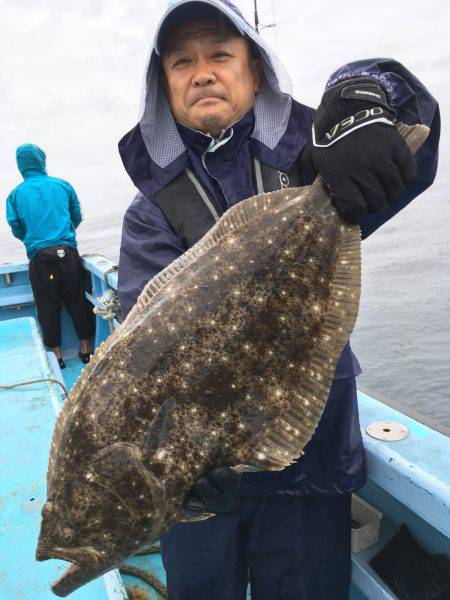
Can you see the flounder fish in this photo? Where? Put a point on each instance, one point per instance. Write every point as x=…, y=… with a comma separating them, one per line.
x=227, y=358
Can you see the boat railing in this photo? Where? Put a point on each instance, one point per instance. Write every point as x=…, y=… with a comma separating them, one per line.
x=103, y=296
x=16, y=297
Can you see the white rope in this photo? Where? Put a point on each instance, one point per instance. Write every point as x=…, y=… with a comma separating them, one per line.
x=13, y=385
x=110, y=308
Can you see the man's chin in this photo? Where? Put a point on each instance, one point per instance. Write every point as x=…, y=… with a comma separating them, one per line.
x=212, y=122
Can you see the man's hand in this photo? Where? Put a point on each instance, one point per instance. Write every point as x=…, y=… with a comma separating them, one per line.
x=216, y=493
x=358, y=151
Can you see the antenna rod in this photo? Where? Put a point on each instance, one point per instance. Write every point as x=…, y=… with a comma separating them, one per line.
x=256, y=16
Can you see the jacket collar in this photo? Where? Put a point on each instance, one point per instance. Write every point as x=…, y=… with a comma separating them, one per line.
x=150, y=178
x=33, y=173
x=232, y=137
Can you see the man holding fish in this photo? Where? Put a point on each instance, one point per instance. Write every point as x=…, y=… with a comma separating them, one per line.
x=218, y=125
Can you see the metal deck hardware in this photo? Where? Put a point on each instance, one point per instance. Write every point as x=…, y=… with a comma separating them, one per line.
x=388, y=431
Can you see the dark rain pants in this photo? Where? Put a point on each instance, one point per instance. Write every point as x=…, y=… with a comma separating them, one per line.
x=54, y=282
x=288, y=547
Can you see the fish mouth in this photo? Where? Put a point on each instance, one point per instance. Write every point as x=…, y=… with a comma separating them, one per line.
x=76, y=575
x=71, y=579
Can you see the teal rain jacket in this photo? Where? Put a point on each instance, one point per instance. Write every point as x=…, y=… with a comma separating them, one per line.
x=42, y=211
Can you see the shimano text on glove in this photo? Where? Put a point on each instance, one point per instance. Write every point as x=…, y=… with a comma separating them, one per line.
x=349, y=106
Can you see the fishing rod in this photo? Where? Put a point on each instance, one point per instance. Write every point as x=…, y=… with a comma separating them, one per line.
x=256, y=15
x=258, y=26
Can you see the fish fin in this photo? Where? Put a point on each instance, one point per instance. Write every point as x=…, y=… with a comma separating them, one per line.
x=414, y=135
x=120, y=470
x=187, y=517
x=70, y=402
x=282, y=442
x=235, y=218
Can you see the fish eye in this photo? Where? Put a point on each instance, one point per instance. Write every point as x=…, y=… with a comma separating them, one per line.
x=67, y=535
x=47, y=509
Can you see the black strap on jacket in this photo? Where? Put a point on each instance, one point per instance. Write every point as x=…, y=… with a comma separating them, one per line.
x=191, y=211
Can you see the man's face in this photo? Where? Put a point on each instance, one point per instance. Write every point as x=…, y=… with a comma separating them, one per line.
x=210, y=78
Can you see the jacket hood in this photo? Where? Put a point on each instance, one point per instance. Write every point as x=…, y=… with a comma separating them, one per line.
x=30, y=157
x=179, y=12
x=273, y=102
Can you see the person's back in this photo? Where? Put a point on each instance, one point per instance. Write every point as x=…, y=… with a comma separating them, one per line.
x=42, y=211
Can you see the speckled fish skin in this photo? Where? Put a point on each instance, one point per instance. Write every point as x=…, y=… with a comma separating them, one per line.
x=226, y=359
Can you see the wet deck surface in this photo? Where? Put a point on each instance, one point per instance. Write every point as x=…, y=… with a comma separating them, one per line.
x=74, y=366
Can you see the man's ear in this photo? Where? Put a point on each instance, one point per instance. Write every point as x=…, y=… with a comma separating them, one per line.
x=255, y=66
x=163, y=79
x=163, y=82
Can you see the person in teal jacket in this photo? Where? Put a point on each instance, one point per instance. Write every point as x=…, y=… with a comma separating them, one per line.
x=44, y=212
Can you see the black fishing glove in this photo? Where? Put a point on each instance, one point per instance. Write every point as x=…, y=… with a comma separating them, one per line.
x=358, y=151
x=216, y=493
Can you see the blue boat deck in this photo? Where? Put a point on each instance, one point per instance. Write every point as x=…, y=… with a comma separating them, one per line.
x=26, y=426
x=74, y=366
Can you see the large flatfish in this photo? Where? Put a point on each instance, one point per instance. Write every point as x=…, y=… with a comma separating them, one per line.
x=227, y=358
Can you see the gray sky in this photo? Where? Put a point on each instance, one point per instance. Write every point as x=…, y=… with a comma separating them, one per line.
x=71, y=73
x=70, y=81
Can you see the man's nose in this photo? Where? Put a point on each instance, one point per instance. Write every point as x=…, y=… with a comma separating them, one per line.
x=203, y=75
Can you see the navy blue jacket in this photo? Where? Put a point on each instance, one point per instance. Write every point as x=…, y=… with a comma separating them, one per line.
x=334, y=458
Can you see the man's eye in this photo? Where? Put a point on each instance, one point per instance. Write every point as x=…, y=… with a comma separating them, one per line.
x=181, y=62
x=221, y=55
